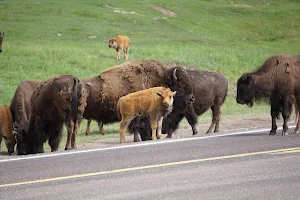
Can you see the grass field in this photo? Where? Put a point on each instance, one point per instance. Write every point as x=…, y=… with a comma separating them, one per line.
x=47, y=38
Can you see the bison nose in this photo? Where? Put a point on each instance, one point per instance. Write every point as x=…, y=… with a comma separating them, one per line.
x=10, y=151
x=165, y=105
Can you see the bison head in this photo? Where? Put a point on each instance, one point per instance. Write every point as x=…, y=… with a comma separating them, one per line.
x=178, y=80
x=245, y=90
x=112, y=43
x=10, y=143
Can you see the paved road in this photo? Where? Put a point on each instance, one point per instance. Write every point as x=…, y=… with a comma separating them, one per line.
x=236, y=166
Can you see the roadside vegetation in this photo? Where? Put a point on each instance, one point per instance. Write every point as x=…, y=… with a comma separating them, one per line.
x=48, y=38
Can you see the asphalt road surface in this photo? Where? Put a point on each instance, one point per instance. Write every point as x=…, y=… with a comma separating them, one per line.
x=250, y=165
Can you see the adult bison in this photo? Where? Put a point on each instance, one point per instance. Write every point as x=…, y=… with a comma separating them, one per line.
x=276, y=80
x=210, y=91
x=20, y=105
x=106, y=89
x=54, y=102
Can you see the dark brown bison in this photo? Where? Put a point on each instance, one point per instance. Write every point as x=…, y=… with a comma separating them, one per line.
x=278, y=82
x=210, y=91
x=106, y=89
x=20, y=105
x=54, y=102
x=1, y=40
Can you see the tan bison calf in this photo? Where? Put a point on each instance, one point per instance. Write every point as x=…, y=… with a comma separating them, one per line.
x=156, y=102
x=120, y=43
x=6, y=128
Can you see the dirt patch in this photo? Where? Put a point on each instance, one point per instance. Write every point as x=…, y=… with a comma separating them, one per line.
x=163, y=11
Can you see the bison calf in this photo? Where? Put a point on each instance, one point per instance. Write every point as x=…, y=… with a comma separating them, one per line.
x=156, y=102
x=120, y=43
x=6, y=128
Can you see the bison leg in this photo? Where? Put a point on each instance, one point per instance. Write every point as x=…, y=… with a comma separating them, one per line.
x=54, y=141
x=215, y=119
x=73, y=139
x=87, y=132
x=70, y=129
x=191, y=116
x=286, y=113
x=274, y=114
x=159, y=127
x=102, y=131
x=123, y=126
x=297, y=121
x=153, y=122
x=126, y=53
x=119, y=50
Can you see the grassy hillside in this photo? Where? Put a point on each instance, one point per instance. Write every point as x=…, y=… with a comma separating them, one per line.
x=47, y=38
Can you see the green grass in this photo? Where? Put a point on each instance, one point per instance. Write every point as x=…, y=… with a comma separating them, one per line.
x=210, y=35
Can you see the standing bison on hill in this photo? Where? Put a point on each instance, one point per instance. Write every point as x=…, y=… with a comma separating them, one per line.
x=54, y=102
x=210, y=91
x=105, y=90
x=278, y=81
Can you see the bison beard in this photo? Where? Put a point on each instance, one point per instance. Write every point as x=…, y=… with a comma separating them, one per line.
x=276, y=81
x=53, y=102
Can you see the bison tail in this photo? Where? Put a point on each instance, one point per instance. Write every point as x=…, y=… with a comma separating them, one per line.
x=74, y=100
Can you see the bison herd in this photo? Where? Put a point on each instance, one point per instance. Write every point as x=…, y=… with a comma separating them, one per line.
x=149, y=97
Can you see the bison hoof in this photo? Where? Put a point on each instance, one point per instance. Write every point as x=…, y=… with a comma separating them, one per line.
x=285, y=133
x=272, y=132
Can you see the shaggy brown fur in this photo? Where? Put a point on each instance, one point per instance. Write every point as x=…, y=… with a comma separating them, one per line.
x=278, y=81
x=106, y=89
x=156, y=102
x=6, y=128
x=20, y=104
x=1, y=40
x=120, y=43
x=55, y=101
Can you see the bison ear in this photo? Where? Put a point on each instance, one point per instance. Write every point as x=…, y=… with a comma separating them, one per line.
x=159, y=94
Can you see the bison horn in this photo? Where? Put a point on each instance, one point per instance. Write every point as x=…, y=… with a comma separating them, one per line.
x=174, y=74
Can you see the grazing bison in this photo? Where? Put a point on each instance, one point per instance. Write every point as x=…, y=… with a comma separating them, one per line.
x=6, y=128
x=277, y=81
x=210, y=91
x=1, y=40
x=120, y=43
x=20, y=105
x=106, y=89
x=56, y=101
x=156, y=102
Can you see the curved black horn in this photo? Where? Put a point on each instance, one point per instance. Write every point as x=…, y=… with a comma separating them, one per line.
x=174, y=74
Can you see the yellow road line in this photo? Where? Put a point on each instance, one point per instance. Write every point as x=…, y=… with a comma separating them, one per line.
x=288, y=150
